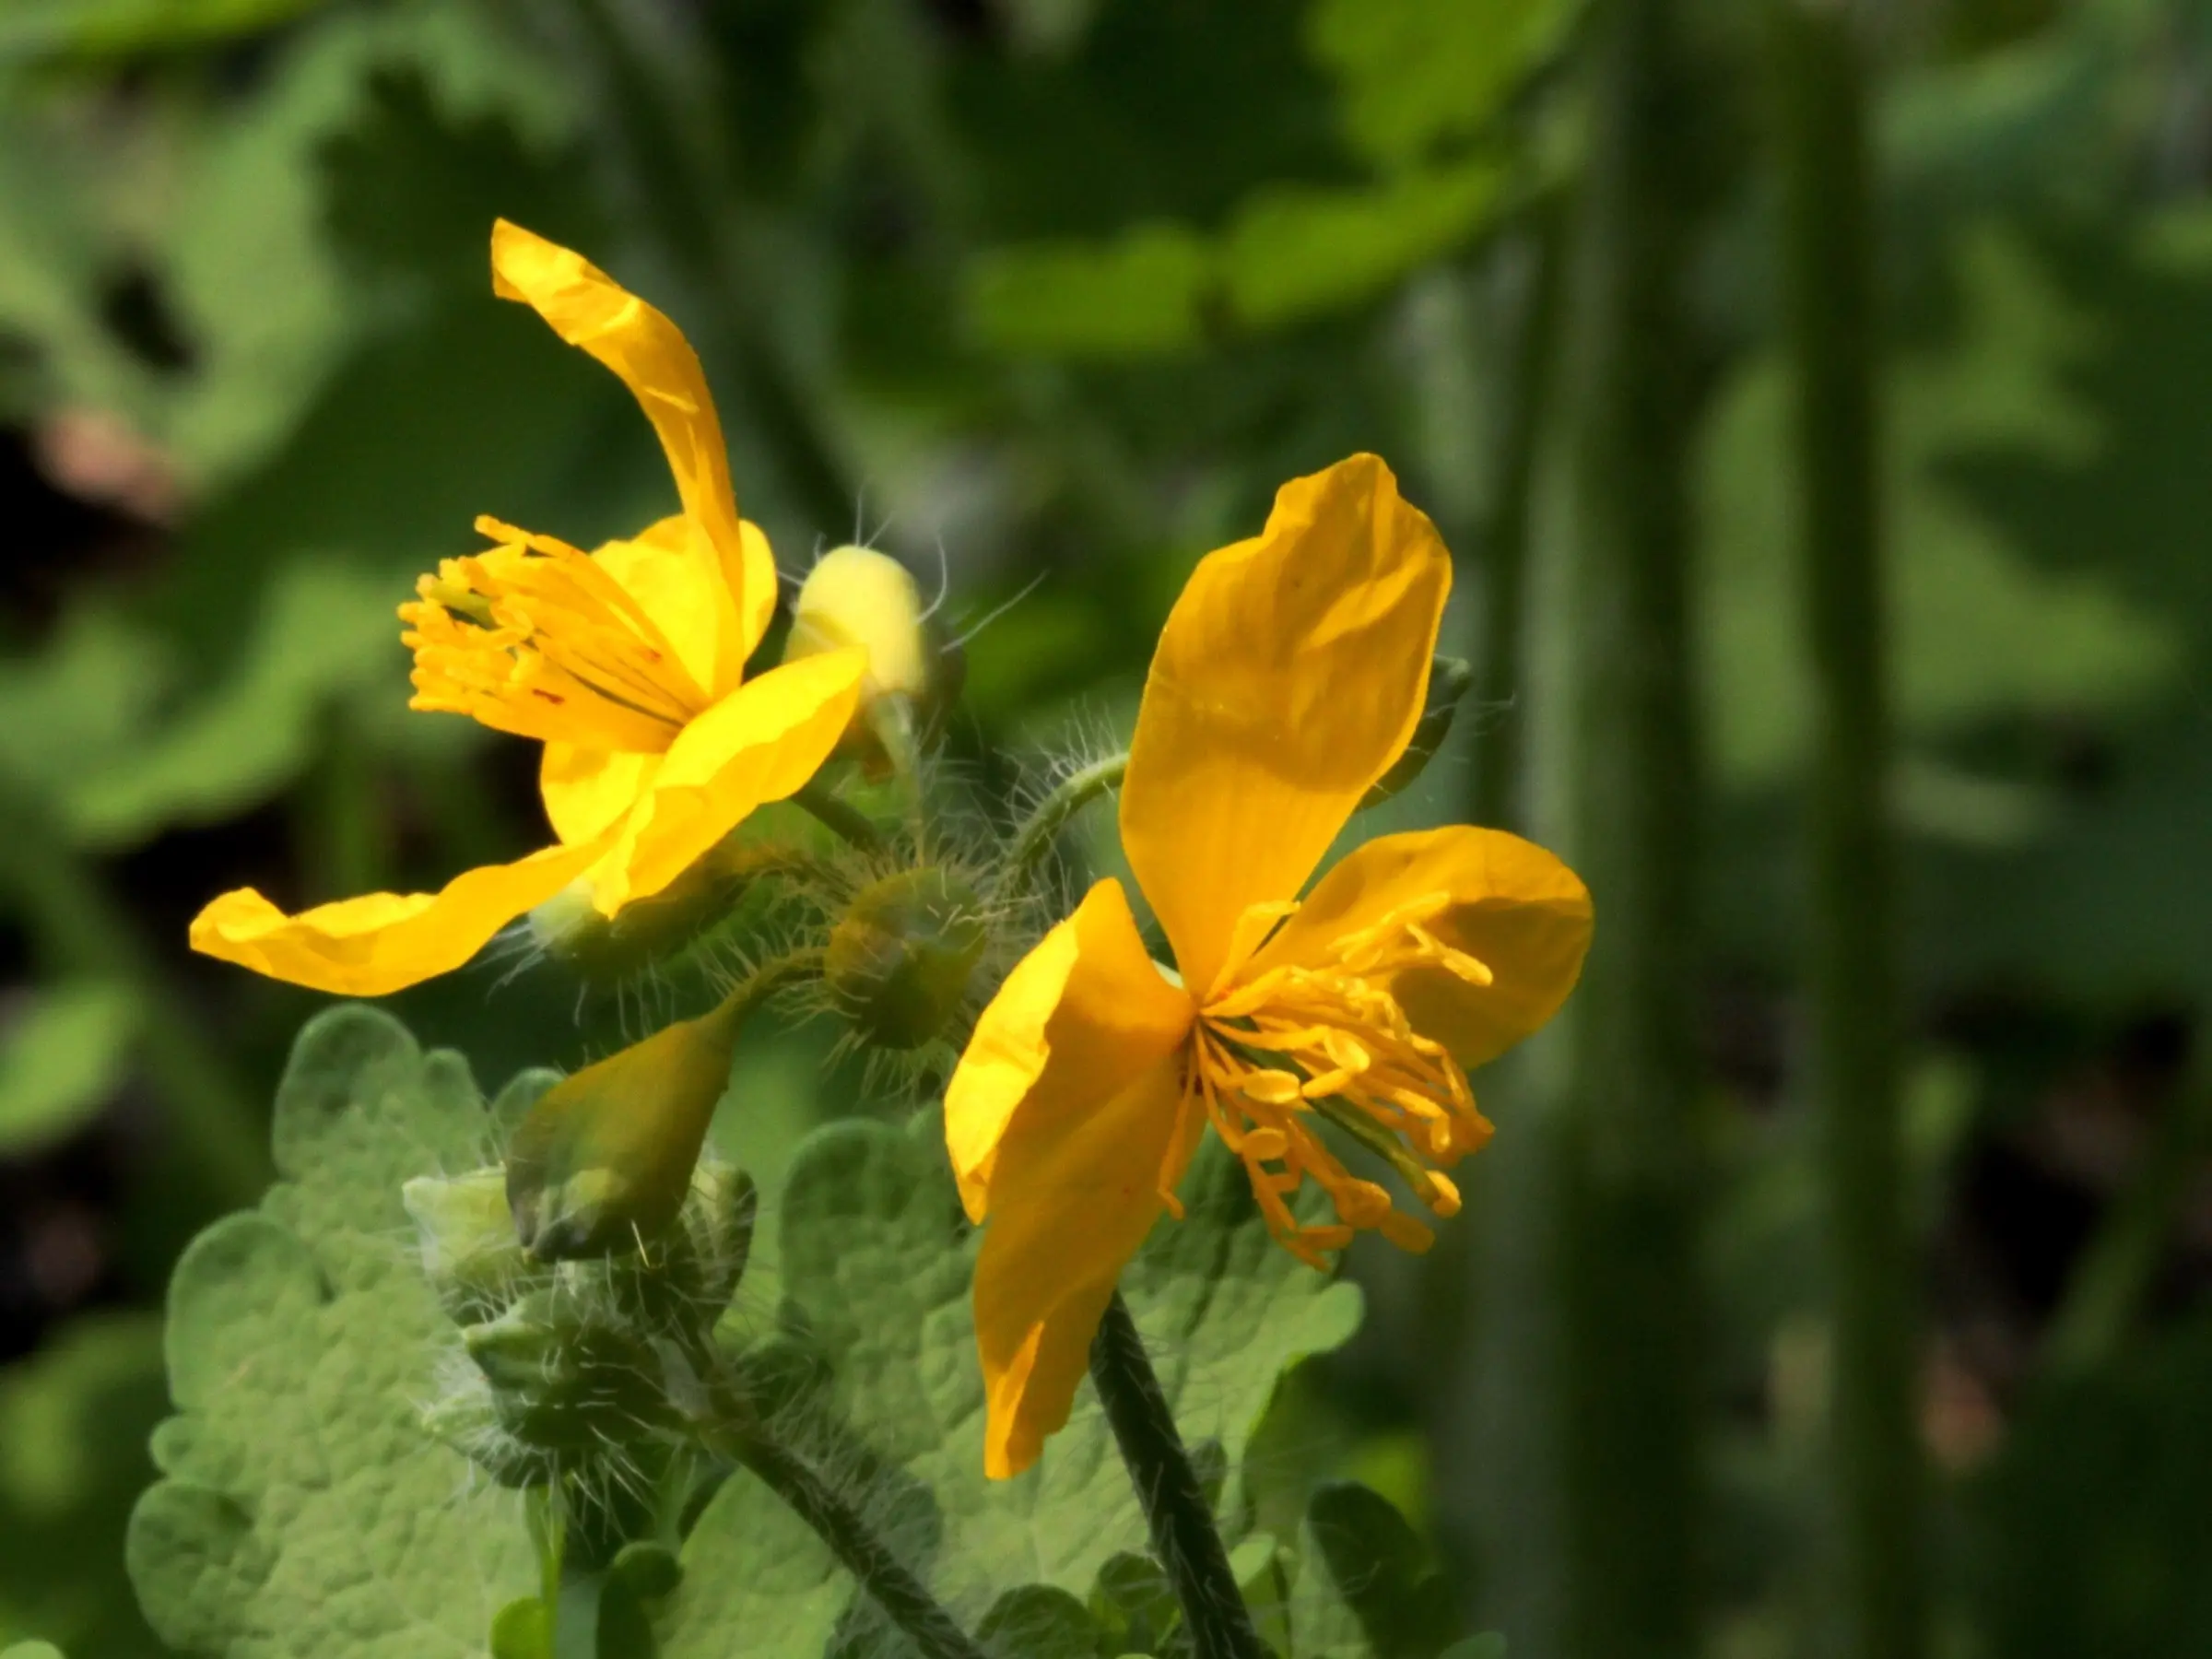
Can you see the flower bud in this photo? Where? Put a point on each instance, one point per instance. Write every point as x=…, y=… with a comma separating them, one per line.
x=858, y=596
x=1449, y=678
x=564, y=1382
x=900, y=957
x=606, y=1158
x=469, y=1252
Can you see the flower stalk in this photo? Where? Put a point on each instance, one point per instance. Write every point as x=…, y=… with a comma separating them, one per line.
x=1034, y=839
x=1184, y=1539
x=1828, y=265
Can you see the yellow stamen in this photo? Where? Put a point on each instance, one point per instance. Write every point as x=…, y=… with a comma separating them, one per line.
x=536, y=637
x=1331, y=1040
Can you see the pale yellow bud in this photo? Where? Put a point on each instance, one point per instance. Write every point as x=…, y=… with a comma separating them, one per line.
x=858, y=596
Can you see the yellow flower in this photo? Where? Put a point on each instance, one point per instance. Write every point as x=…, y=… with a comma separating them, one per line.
x=1290, y=677
x=625, y=662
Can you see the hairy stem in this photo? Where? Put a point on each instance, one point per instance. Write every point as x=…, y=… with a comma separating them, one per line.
x=1182, y=1521
x=1073, y=792
x=735, y=1432
x=1828, y=267
x=840, y=816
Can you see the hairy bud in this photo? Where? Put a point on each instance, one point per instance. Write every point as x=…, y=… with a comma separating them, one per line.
x=469, y=1252
x=900, y=957
x=569, y=928
x=565, y=1382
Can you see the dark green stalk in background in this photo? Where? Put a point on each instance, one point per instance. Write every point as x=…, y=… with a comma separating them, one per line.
x=1828, y=284
x=1625, y=803
x=1526, y=404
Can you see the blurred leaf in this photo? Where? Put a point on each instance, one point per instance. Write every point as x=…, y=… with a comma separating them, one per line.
x=73, y=1426
x=326, y=633
x=81, y=704
x=1290, y=252
x=62, y=1060
x=1405, y=1608
x=1413, y=74
x=102, y=27
x=1978, y=629
x=33, y=1650
x=2092, y=1522
x=303, y=1510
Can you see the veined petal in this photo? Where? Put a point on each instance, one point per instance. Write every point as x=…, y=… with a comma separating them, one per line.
x=1290, y=676
x=586, y=791
x=588, y=309
x=1080, y=1019
x=1074, y=1196
x=383, y=942
x=758, y=744
x=1512, y=906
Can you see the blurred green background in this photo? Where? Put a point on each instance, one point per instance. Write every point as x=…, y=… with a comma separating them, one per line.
x=1067, y=288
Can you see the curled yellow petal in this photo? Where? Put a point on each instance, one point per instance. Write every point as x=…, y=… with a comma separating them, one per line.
x=1073, y=1199
x=1502, y=928
x=1080, y=1019
x=589, y=309
x=382, y=942
x=1290, y=676
x=758, y=744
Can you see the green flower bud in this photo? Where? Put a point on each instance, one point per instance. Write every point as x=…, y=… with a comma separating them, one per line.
x=900, y=957
x=647, y=1570
x=469, y=1252
x=604, y=1158
x=1449, y=678
x=563, y=1383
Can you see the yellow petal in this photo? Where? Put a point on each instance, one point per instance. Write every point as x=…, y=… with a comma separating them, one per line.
x=1080, y=1016
x=1513, y=907
x=587, y=790
x=588, y=309
x=383, y=942
x=1073, y=1197
x=1288, y=677
x=756, y=745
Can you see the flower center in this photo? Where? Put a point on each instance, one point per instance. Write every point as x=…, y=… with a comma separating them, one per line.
x=538, y=638
x=1331, y=1040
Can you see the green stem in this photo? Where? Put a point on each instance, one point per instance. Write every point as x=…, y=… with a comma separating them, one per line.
x=840, y=816
x=1073, y=792
x=1183, y=1536
x=734, y=1431
x=80, y=929
x=1828, y=267
x=1628, y=1297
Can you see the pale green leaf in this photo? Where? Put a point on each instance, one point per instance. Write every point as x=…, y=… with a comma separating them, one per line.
x=61, y=1059
x=304, y=1510
x=1413, y=74
x=1139, y=295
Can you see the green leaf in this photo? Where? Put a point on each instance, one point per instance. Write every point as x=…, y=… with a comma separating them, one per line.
x=1413, y=74
x=325, y=634
x=1038, y=1623
x=304, y=1510
x=1288, y=254
x=877, y=1258
x=1488, y=1645
x=104, y=28
x=1382, y=1571
x=33, y=1650
x=62, y=1060
x=73, y=1426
